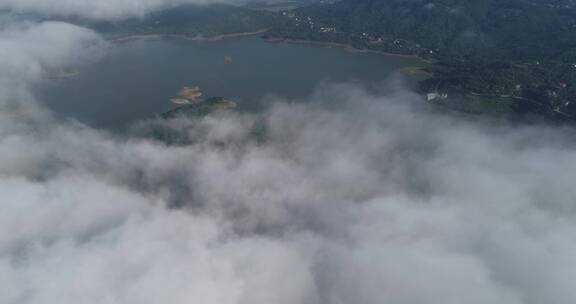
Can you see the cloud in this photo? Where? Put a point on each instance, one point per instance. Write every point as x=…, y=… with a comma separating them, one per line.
x=353, y=197
x=95, y=9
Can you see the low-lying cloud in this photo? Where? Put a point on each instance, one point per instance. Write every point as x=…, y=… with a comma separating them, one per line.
x=97, y=9
x=352, y=197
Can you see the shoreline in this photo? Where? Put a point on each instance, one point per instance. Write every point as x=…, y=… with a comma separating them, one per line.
x=326, y=44
x=186, y=37
x=343, y=46
x=346, y=47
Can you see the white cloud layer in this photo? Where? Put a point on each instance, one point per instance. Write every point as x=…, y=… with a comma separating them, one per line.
x=96, y=9
x=370, y=201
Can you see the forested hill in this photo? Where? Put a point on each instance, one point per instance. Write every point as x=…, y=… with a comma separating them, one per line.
x=483, y=29
x=190, y=20
x=492, y=55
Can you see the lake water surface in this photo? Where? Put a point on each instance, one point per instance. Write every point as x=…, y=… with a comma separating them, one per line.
x=136, y=79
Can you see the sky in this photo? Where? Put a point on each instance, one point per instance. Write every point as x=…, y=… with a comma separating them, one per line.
x=352, y=197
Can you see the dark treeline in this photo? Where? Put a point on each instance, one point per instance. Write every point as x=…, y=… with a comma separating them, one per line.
x=190, y=20
x=517, y=55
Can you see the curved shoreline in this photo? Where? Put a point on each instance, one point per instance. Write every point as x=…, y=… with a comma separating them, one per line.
x=346, y=47
x=187, y=37
x=326, y=44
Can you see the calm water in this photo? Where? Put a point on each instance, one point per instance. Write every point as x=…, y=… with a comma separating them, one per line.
x=136, y=79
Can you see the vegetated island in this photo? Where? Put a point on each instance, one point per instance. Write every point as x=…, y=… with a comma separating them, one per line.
x=176, y=136
x=200, y=108
x=191, y=103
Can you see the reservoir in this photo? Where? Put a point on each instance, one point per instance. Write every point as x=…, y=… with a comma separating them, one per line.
x=137, y=78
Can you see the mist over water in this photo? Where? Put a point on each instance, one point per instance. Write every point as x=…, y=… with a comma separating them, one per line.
x=351, y=197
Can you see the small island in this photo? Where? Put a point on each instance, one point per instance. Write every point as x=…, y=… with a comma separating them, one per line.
x=188, y=95
x=200, y=108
